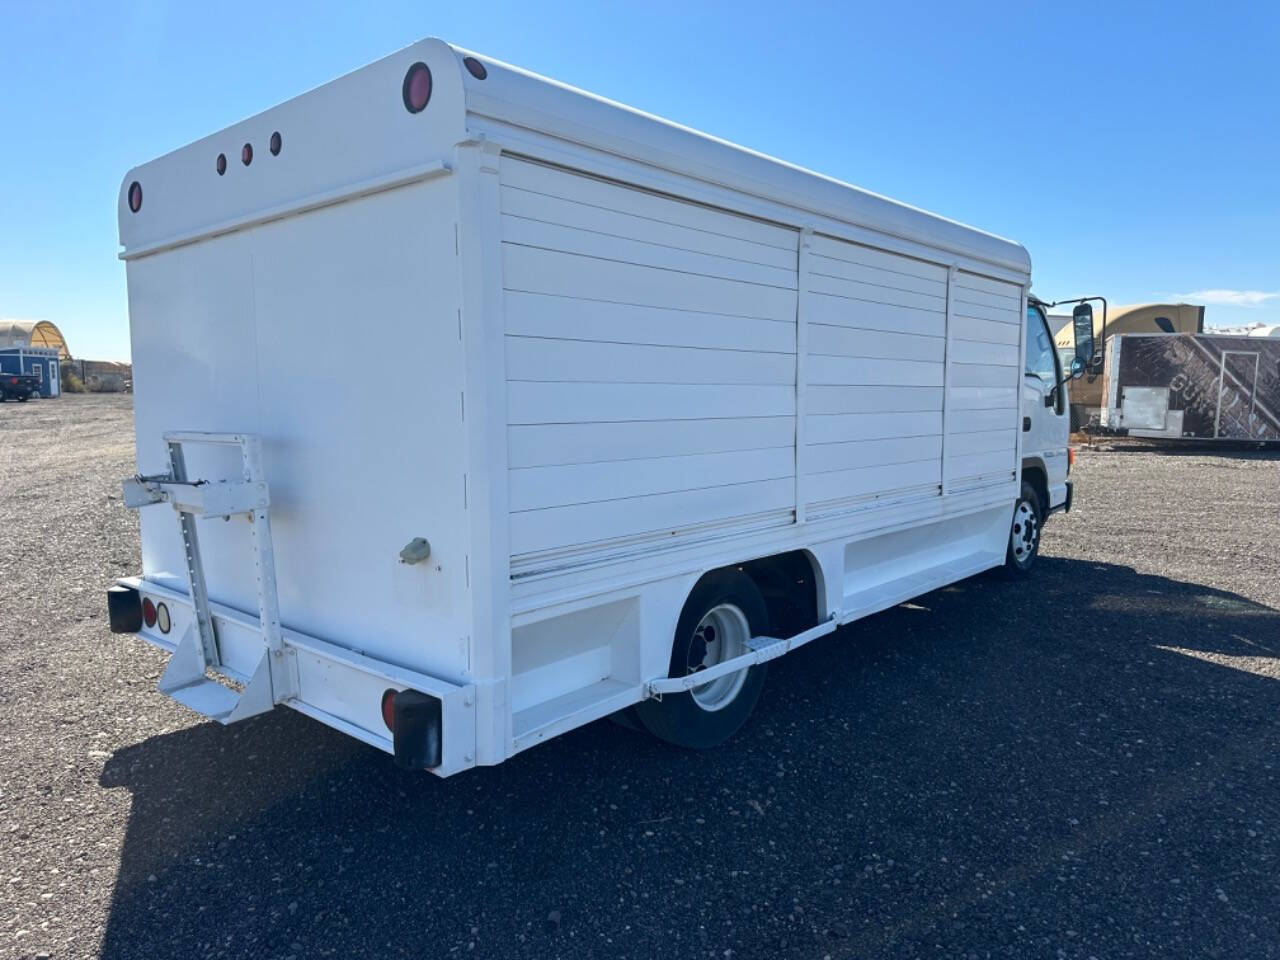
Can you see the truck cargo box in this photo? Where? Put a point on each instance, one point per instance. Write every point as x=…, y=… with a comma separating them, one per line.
x=617, y=364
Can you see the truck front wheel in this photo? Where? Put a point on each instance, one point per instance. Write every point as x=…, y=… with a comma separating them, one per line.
x=723, y=612
x=1024, y=532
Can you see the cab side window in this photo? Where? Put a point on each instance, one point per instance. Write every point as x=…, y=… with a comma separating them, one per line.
x=1041, y=355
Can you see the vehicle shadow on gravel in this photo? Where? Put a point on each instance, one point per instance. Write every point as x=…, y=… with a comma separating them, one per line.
x=995, y=766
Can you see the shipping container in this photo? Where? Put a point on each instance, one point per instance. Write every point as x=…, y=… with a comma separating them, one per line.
x=1193, y=386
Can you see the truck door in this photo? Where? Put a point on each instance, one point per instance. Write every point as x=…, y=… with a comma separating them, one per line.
x=1045, y=419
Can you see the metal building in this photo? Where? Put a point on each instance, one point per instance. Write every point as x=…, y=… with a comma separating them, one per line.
x=35, y=347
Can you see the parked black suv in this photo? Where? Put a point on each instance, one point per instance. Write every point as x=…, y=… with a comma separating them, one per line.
x=19, y=386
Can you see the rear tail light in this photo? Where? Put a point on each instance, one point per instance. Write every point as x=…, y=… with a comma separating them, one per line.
x=417, y=87
x=389, y=709
x=135, y=196
x=148, y=611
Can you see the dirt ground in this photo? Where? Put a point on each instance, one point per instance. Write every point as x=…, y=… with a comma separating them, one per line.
x=1084, y=764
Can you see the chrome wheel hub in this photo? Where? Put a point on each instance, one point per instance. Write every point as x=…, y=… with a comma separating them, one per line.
x=1025, y=532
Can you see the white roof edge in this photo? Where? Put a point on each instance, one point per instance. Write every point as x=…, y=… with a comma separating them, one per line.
x=513, y=95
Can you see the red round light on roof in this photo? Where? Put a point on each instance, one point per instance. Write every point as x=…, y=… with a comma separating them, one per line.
x=221, y=165
x=276, y=143
x=246, y=154
x=389, y=709
x=475, y=67
x=149, y=611
x=417, y=87
x=135, y=196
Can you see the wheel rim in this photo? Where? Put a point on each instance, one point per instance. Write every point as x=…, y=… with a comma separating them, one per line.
x=1026, y=528
x=720, y=635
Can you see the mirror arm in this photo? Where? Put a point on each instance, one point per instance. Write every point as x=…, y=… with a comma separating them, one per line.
x=1103, y=301
x=1053, y=391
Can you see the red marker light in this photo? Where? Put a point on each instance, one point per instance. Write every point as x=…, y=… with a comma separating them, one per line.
x=135, y=196
x=221, y=165
x=246, y=154
x=475, y=67
x=148, y=611
x=389, y=709
x=417, y=88
x=276, y=143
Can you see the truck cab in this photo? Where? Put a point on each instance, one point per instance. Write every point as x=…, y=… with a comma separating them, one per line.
x=1046, y=427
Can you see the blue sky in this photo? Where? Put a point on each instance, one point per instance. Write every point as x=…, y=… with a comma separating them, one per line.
x=1133, y=149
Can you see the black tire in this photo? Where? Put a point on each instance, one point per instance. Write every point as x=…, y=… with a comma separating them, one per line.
x=626, y=718
x=679, y=718
x=1024, y=533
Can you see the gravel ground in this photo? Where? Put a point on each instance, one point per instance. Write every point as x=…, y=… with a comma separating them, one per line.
x=1082, y=765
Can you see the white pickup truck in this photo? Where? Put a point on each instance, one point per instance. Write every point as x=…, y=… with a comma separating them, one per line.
x=643, y=410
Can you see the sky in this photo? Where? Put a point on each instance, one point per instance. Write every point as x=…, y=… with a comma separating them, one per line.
x=1133, y=149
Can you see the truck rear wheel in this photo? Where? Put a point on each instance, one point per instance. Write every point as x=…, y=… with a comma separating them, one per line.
x=1024, y=532
x=724, y=610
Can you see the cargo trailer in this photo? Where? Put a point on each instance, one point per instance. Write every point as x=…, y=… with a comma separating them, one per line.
x=654, y=410
x=1192, y=387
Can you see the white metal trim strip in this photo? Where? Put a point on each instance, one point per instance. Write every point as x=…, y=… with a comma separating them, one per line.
x=401, y=178
x=804, y=263
x=948, y=357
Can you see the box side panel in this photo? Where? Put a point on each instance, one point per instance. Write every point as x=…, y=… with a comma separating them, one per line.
x=334, y=335
x=876, y=326
x=650, y=359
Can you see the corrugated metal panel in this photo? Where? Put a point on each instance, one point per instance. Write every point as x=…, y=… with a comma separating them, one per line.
x=876, y=325
x=650, y=355
x=985, y=376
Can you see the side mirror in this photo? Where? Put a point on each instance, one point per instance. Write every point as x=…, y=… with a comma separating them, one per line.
x=1077, y=368
x=1082, y=326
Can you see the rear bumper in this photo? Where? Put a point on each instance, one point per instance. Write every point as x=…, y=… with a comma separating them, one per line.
x=339, y=687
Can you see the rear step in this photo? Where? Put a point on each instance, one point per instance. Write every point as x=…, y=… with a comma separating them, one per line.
x=188, y=678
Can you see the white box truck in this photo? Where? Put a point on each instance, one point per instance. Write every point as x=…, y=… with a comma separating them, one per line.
x=471, y=408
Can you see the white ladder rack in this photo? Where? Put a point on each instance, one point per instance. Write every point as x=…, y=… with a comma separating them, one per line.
x=192, y=676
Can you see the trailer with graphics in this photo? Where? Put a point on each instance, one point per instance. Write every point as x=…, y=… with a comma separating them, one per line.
x=1192, y=387
x=655, y=410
